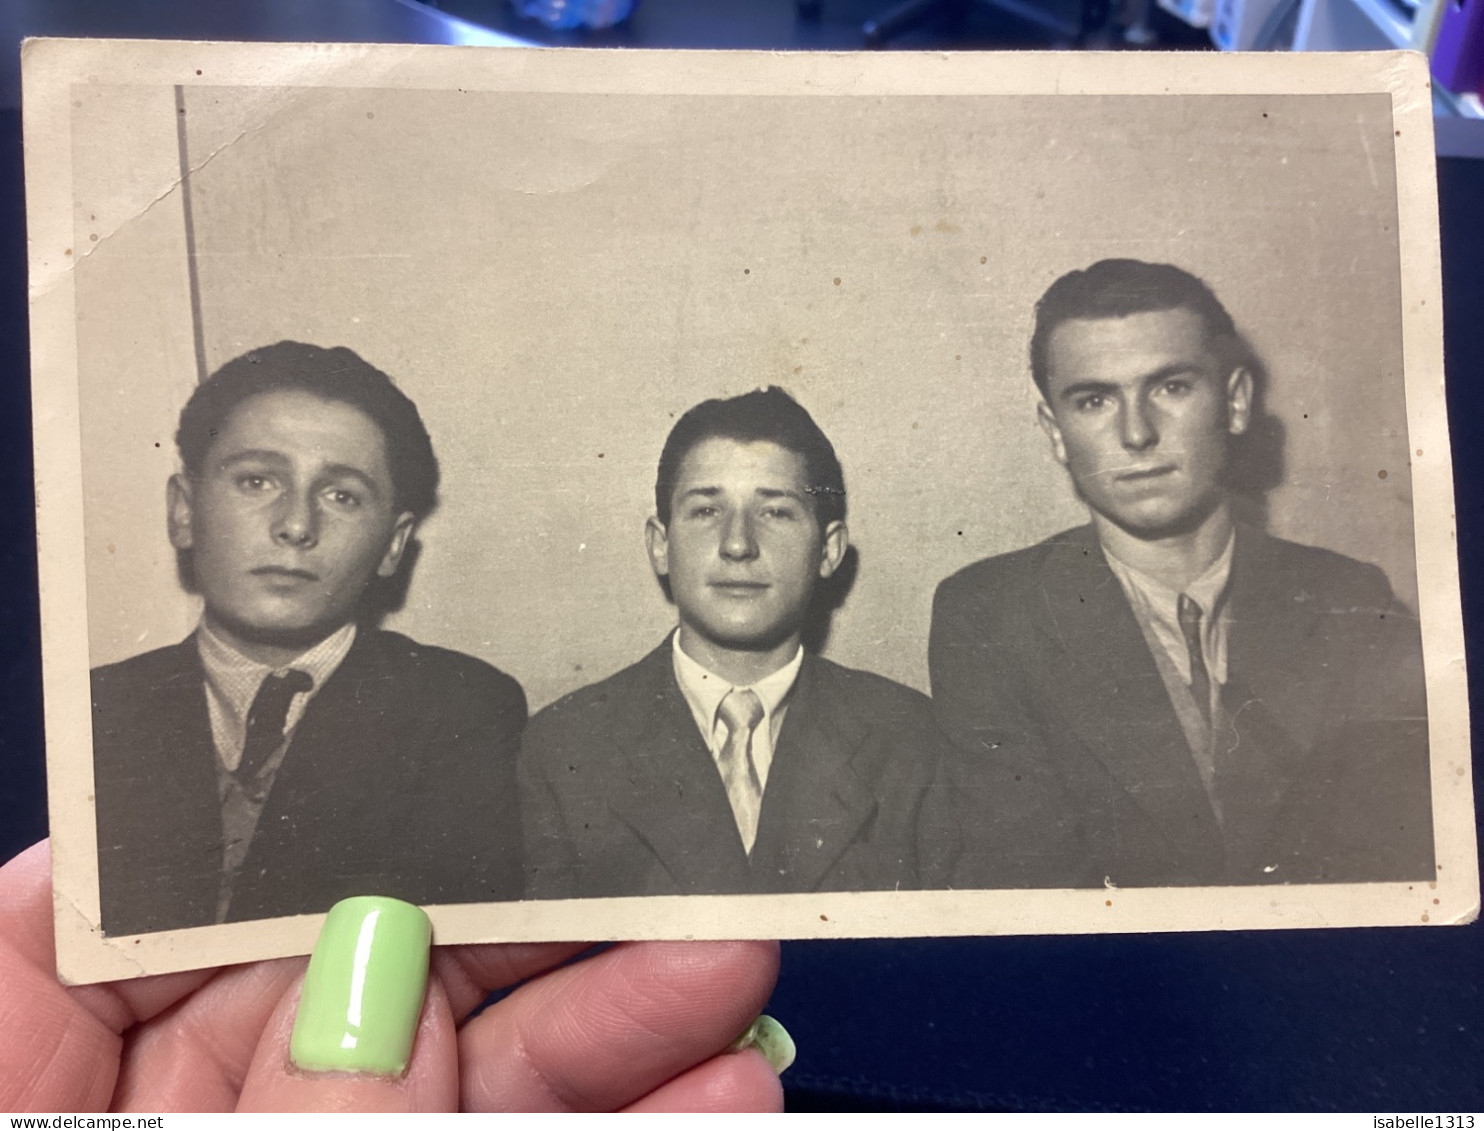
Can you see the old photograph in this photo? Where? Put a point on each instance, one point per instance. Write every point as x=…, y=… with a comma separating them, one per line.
x=613, y=494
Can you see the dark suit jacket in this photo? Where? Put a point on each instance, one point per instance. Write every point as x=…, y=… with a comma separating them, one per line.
x=621, y=795
x=1043, y=679
x=399, y=781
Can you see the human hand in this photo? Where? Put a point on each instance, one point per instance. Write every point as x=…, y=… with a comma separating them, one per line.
x=641, y=1026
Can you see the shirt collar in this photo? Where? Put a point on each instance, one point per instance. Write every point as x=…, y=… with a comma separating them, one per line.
x=1158, y=606
x=704, y=690
x=235, y=678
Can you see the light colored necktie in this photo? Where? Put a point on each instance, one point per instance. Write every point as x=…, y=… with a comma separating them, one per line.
x=1190, y=614
x=1207, y=698
x=741, y=710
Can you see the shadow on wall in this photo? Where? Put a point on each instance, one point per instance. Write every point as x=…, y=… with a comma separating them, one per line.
x=829, y=596
x=1258, y=458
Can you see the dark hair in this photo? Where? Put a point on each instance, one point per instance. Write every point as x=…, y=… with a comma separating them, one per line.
x=337, y=374
x=1115, y=288
x=763, y=415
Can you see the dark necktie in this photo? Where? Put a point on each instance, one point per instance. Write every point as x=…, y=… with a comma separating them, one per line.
x=742, y=710
x=265, y=722
x=1200, y=678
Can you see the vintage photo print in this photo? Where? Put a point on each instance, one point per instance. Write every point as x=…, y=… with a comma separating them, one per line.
x=621, y=494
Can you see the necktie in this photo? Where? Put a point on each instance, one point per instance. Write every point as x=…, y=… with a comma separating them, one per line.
x=265, y=722
x=741, y=710
x=1200, y=678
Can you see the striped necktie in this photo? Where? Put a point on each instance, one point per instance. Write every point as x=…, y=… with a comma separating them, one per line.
x=265, y=723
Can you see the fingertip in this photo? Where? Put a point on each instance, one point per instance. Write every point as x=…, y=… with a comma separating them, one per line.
x=753, y=966
x=722, y=985
x=741, y=1081
x=365, y=1031
x=363, y=992
x=767, y=951
x=751, y=1083
x=603, y=1032
x=745, y=1081
x=767, y=1036
x=747, y=969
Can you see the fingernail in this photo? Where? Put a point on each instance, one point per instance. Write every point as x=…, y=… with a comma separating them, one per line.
x=769, y=1038
x=364, y=990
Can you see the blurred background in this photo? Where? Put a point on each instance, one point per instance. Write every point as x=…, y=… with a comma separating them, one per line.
x=1382, y=1020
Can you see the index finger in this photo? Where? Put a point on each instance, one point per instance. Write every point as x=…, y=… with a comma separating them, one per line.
x=61, y=1046
x=605, y=1032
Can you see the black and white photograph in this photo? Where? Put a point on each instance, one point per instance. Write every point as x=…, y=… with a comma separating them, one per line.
x=620, y=495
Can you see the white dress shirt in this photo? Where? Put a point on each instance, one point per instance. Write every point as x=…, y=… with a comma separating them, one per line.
x=1157, y=608
x=704, y=691
x=232, y=682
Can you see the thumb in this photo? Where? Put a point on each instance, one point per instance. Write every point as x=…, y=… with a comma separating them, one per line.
x=360, y=1032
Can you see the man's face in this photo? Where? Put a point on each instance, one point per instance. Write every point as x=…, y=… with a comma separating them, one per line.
x=291, y=518
x=1140, y=411
x=743, y=549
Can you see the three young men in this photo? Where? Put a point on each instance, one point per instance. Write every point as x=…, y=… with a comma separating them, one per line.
x=1170, y=696
x=730, y=759
x=1162, y=697
x=288, y=753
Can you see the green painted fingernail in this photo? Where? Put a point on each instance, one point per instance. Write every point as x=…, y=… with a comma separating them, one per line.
x=364, y=990
x=769, y=1038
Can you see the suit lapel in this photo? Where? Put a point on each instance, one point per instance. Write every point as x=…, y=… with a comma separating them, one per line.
x=816, y=805
x=1271, y=629
x=325, y=771
x=181, y=788
x=1273, y=621
x=668, y=790
x=1115, y=700
x=340, y=730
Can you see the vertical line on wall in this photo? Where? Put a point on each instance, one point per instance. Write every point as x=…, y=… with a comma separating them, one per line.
x=190, y=233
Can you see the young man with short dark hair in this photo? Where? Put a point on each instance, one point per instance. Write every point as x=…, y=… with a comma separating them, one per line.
x=1174, y=697
x=730, y=759
x=288, y=753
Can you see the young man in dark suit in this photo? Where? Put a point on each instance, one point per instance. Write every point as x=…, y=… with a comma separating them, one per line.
x=730, y=759
x=1167, y=695
x=288, y=753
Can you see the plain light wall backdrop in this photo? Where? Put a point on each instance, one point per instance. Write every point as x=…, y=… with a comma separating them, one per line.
x=555, y=278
